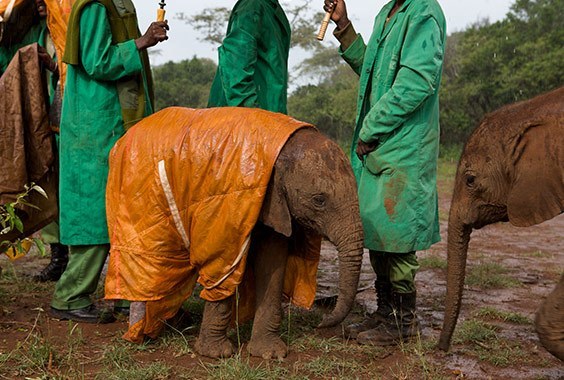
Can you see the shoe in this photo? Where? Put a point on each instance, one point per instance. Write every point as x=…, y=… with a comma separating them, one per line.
x=383, y=313
x=368, y=323
x=403, y=324
x=89, y=314
x=54, y=270
x=389, y=334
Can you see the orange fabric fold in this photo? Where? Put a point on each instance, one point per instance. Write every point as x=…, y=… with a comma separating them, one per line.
x=58, y=13
x=185, y=190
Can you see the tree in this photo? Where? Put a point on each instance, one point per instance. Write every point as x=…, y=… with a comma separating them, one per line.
x=186, y=83
x=490, y=65
x=329, y=105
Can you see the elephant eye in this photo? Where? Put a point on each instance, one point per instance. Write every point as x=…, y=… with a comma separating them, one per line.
x=470, y=180
x=319, y=200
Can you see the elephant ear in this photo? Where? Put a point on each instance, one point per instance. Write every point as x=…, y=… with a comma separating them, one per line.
x=537, y=192
x=275, y=212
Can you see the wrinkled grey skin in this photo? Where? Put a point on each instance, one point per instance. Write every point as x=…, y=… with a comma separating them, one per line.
x=312, y=188
x=511, y=169
x=549, y=321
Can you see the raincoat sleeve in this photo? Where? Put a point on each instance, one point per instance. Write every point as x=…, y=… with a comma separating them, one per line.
x=101, y=59
x=420, y=64
x=238, y=58
x=352, y=47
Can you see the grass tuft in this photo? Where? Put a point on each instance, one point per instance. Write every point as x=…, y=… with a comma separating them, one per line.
x=490, y=276
x=473, y=330
x=119, y=364
x=491, y=313
x=236, y=368
x=433, y=261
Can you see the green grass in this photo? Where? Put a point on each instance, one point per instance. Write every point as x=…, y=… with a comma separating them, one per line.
x=236, y=368
x=433, y=261
x=119, y=364
x=332, y=367
x=483, y=341
x=491, y=313
x=418, y=363
x=298, y=322
x=473, y=330
x=490, y=276
x=501, y=353
x=539, y=254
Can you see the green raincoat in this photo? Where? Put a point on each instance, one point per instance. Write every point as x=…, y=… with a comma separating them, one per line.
x=92, y=118
x=253, y=59
x=398, y=106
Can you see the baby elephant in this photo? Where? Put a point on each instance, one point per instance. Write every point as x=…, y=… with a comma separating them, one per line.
x=237, y=200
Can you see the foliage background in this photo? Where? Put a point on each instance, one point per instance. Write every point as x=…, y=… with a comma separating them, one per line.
x=486, y=66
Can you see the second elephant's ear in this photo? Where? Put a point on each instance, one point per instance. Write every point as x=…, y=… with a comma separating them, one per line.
x=275, y=212
x=537, y=192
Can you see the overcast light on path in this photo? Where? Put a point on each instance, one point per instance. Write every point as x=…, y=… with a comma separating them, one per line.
x=183, y=40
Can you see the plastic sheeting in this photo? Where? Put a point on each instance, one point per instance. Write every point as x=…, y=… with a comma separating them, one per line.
x=185, y=190
x=26, y=141
x=58, y=13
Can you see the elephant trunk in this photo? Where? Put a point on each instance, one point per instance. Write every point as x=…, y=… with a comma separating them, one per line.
x=349, y=243
x=457, y=248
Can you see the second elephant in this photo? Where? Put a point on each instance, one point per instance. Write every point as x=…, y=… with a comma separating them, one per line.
x=511, y=169
x=206, y=195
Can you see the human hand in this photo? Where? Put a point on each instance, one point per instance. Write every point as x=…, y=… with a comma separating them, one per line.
x=155, y=33
x=46, y=60
x=362, y=148
x=339, y=9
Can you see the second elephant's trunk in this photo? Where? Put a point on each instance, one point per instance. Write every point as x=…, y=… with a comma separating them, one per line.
x=458, y=238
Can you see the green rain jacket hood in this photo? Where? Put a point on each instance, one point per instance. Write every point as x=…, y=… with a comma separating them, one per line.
x=398, y=105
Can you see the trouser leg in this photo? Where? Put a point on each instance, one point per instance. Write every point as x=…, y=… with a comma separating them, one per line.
x=399, y=269
x=80, y=279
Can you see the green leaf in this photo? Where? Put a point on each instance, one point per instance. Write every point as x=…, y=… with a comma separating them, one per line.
x=18, y=224
x=40, y=245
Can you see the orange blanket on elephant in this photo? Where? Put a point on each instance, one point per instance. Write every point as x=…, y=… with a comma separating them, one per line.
x=185, y=190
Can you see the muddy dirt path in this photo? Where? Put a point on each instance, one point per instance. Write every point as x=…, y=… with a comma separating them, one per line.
x=532, y=258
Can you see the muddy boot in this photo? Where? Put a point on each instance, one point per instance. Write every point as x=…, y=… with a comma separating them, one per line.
x=57, y=265
x=401, y=324
x=382, y=313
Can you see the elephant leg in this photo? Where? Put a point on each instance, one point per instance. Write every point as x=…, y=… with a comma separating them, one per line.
x=549, y=321
x=213, y=341
x=269, y=267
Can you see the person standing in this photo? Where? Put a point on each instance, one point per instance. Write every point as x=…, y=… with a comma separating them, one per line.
x=108, y=88
x=38, y=32
x=253, y=58
x=395, y=151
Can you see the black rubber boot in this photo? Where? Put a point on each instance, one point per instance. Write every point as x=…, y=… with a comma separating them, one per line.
x=57, y=265
x=401, y=325
x=382, y=313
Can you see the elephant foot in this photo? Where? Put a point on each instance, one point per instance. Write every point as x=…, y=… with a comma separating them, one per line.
x=268, y=346
x=214, y=347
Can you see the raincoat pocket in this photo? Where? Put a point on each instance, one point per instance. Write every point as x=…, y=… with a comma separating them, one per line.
x=376, y=166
